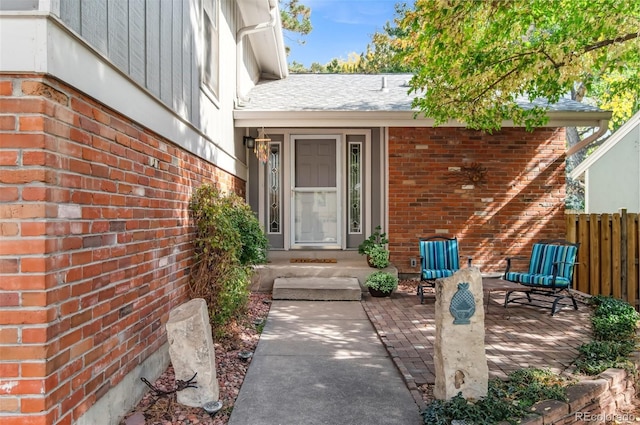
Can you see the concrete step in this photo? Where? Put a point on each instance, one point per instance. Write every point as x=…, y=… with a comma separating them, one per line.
x=317, y=289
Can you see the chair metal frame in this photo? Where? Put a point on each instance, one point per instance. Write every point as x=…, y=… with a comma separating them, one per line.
x=552, y=290
x=431, y=282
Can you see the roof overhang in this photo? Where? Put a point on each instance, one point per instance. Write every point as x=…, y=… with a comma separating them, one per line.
x=321, y=119
x=268, y=45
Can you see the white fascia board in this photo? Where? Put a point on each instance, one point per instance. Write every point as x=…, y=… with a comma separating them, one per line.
x=23, y=42
x=577, y=118
x=330, y=119
x=62, y=54
x=386, y=119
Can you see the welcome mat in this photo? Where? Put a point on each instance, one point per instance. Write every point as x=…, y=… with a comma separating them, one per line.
x=313, y=260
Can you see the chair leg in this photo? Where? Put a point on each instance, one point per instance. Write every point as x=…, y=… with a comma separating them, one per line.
x=421, y=292
x=506, y=298
x=554, y=310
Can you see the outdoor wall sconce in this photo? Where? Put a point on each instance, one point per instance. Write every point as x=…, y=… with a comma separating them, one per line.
x=249, y=142
x=260, y=145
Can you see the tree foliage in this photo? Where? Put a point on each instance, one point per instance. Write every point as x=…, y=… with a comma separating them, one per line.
x=296, y=18
x=380, y=56
x=473, y=60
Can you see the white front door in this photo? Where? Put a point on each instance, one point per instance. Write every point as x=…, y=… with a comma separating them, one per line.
x=316, y=212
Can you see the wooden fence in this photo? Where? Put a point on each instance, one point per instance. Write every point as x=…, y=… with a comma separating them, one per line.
x=608, y=254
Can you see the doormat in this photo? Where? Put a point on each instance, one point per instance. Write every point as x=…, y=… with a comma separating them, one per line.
x=313, y=260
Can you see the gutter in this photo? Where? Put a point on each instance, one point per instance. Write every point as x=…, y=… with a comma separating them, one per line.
x=242, y=32
x=331, y=118
x=603, y=126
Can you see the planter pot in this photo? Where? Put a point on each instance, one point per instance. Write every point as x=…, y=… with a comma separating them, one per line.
x=377, y=293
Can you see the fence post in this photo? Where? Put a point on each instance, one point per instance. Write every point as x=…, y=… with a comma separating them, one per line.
x=605, y=254
x=623, y=252
x=616, y=246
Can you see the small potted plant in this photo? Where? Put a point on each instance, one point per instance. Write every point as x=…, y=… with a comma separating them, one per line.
x=381, y=284
x=374, y=247
x=378, y=257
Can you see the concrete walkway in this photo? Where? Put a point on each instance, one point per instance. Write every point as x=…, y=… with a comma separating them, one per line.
x=322, y=363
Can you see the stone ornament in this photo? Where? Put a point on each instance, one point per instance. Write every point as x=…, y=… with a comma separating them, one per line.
x=191, y=351
x=462, y=305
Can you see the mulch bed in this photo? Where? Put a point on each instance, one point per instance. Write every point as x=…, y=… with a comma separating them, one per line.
x=243, y=336
x=231, y=370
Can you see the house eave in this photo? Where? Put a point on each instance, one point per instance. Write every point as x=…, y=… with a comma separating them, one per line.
x=254, y=118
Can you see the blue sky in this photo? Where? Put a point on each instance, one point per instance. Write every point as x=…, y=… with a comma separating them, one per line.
x=340, y=27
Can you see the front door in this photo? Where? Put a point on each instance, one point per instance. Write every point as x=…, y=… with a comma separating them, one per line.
x=315, y=162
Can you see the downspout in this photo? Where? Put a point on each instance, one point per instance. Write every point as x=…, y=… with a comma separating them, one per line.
x=242, y=32
x=602, y=128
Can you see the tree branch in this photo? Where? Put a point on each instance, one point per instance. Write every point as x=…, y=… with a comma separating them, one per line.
x=495, y=83
x=604, y=43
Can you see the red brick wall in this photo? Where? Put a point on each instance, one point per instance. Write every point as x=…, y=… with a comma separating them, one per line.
x=95, y=246
x=520, y=200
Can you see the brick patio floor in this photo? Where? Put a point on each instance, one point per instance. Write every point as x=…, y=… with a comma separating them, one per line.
x=515, y=337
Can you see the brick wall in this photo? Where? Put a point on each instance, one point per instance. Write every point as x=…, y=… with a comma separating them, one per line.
x=95, y=246
x=519, y=199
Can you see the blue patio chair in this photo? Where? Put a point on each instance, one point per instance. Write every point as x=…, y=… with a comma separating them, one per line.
x=550, y=275
x=439, y=257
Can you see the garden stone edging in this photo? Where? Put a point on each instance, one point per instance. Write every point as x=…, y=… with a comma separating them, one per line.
x=596, y=400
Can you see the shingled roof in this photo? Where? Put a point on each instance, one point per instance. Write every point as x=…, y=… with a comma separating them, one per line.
x=383, y=98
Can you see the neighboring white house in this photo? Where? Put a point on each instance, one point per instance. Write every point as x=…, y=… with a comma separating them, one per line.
x=611, y=174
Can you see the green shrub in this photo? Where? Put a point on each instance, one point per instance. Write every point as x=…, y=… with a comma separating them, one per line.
x=254, y=243
x=505, y=401
x=613, y=319
x=614, y=331
x=598, y=356
x=381, y=281
x=377, y=238
x=379, y=256
x=228, y=240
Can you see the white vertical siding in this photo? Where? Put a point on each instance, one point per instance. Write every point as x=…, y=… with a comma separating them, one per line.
x=70, y=13
x=152, y=45
x=118, y=30
x=137, y=41
x=165, y=51
x=93, y=24
x=613, y=182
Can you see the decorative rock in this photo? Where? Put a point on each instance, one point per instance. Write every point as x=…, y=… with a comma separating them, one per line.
x=135, y=419
x=459, y=356
x=191, y=350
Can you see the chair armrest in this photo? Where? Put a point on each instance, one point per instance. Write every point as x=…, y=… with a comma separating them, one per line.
x=556, y=265
x=508, y=259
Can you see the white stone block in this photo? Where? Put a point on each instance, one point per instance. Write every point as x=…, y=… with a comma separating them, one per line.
x=459, y=357
x=191, y=350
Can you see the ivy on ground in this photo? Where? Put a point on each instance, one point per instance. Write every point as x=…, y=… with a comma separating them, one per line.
x=614, y=332
x=508, y=400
